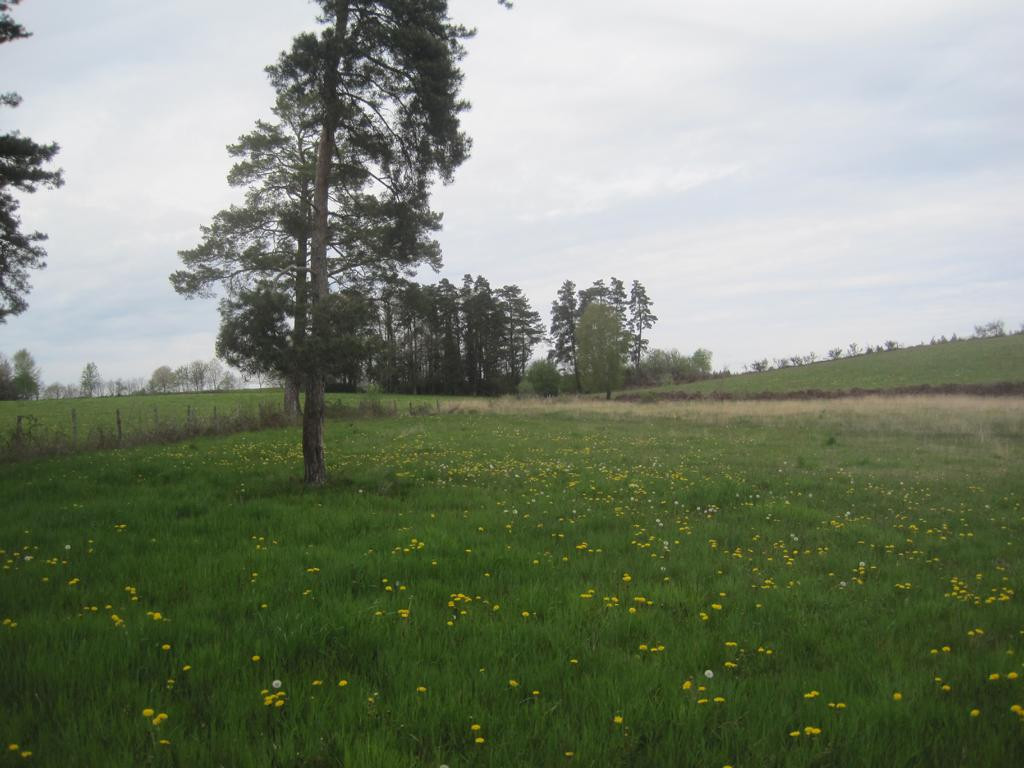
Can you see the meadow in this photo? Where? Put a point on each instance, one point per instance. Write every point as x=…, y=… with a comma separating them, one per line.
x=964, y=363
x=46, y=427
x=523, y=583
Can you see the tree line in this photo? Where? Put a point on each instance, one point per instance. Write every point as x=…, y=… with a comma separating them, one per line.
x=990, y=330
x=594, y=348
x=21, y=379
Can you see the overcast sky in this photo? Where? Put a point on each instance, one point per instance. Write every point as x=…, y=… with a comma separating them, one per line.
x=783, y=175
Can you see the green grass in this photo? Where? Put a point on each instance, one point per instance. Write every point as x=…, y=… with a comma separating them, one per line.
x=835, y=548
x=142, y=414
x=974, y=361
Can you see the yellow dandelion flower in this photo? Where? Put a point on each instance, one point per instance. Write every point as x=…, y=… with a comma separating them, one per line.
x=342, y=683
x=147, y=712
x=617, y=719
x=897, y=696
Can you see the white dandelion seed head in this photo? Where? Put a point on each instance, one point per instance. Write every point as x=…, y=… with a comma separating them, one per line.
x=708, y=674
x=67, y=546
x=276, y=684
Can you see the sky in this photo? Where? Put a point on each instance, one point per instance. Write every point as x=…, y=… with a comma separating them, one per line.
x=783, y=177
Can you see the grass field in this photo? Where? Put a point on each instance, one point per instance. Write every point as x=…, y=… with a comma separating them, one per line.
x=973, y=361
x=47, y=425
x=705, y=584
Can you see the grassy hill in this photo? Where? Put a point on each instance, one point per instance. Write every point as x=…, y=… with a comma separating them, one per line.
x=968, y=362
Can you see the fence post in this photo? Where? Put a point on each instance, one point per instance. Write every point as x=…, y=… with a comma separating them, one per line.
x=120, y=434
x=74, y=429
x=395, y=407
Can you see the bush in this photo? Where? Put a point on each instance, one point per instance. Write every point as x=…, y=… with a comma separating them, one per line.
x=542, y=378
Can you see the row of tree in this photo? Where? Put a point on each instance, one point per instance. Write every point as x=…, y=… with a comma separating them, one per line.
x=990, y=330
x=631, y=315
x=21, y=379
x=446, y=339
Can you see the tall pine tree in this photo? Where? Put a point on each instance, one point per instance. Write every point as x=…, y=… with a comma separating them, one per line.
x=564, y=317
x=22, y=169
x=640, y=319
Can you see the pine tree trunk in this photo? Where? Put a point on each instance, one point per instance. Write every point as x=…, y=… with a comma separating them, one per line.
x=291, y=397
x=313, y=416
x=313, y=432
x=315, y=467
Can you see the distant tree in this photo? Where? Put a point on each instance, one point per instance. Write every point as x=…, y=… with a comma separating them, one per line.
x=7, y=391
x=853, y=350
x=163, y=380
x=602, y=349
x=181, y=376
x=990, y=330
x=564, y=318
x=759, y=366
x=835, y=353
x=597, y=292
x=215, y=371
x=53, y=391
x=640, y=319
x=228, y=381
x=198, y=374
x=617, y=299
x=90, y=381
x=22, y=169
x=27, y=378
x=702, y=361
x=543, y=378
x=891, y=345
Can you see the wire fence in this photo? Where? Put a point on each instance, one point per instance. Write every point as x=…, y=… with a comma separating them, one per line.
x=33, y=437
